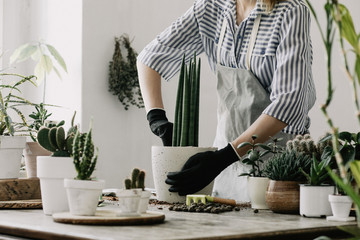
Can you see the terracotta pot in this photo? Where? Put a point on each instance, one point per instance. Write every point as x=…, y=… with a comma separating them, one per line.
x=31, y=151
x=283, y=196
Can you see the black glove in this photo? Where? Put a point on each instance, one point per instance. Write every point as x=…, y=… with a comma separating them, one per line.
x=200, y=170
x=160, y=125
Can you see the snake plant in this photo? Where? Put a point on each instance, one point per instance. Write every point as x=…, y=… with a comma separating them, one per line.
x=186, y=122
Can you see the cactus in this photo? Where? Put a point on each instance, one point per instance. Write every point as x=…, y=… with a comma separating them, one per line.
x=84, y=155
x=137, y=179
x=186, y=121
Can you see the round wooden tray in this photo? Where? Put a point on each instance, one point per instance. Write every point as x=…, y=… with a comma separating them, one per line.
x=108, y=217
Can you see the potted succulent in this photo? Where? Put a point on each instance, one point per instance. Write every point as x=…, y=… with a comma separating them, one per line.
x=53, y=169
x=283, y=170
x=83, y=191
x=257, y=181
x=33, y=148
x=314, y=195
x=133, y=199
x=11, y=141
x=185, y=134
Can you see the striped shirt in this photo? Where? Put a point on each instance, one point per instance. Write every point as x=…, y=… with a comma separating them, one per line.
x=281, y=59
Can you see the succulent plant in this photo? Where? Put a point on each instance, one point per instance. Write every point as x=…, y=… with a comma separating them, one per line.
x=83, y=153
x=286, y=166
x=305, y=144
x=186, y=121
x=137, y=179
x=55, y=139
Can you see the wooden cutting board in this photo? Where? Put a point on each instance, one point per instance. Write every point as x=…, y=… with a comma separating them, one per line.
x=17, y=204
x=108, y=217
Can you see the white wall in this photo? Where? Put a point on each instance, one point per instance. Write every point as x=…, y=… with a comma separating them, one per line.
x=84, y=31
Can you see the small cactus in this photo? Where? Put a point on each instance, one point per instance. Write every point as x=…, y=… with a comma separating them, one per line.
x=54, y=140
x=137, y=179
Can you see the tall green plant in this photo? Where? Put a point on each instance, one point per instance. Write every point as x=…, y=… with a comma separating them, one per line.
x=186, y=122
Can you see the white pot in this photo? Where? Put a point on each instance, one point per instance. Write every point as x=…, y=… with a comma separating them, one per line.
x=52, y=171
x=172, y=159
x=129, y=200
x=256, y=187
x=144, y=201
x=11, y=148
x=340, y=205
x=83, y=195
x=31, y=151
x=314, y=200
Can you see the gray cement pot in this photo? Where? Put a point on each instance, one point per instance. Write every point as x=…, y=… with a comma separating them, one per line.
x=171, y=159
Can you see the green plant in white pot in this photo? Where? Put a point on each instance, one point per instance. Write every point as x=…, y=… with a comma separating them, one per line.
x=53, y=169
x=185, y=134
x=83, y=191
x=12, y=123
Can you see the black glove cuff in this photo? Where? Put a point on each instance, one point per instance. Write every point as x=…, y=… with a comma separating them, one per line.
x=229, y=154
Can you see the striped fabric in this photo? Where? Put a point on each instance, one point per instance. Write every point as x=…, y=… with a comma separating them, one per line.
x=281, y=59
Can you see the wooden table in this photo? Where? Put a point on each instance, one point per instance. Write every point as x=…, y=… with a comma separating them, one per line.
x=244, y=224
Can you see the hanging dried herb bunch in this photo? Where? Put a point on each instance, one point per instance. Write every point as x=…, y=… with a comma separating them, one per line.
x=123, y=77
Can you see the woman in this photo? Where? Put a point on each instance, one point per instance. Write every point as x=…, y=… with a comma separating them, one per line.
x=261, y=54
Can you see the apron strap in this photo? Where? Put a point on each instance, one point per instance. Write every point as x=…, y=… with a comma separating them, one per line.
x=252, y=40
x=251, y=43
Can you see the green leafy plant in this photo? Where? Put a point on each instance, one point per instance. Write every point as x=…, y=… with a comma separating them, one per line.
x=123, y=77
x=186, y=121
x=285, y=166
x=83, y=153
x=45, y=55
x=256, y=155
x=318, y=174
x=137, y=179
x=11, y=101
x=55, y=139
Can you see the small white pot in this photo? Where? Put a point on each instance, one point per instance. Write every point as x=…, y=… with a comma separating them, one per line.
x=83, y=195
x=314, y=200
x=257, y=190
x=129, y=200
x=31, y=152
x=172, y=159
x=144, y=201
x=340, y=205
x=52, y=171
x=11, y=148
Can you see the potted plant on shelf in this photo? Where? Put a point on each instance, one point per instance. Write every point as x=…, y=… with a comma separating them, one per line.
x=283, y=170
x=185, y=134
x=53, y=169
x=257, y=181
x=83, y=191
x=314, y=195
x=133, y=199
x=11, y=141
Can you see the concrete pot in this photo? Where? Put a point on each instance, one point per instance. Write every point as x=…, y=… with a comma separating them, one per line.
x=31, y=152
x=256, y=190
x=52, y=171
x=314, y=200
x=283, y=196
x=83, y=195
x=340, y=205
x=172, y=159
x=129, y=200
x=11, y=148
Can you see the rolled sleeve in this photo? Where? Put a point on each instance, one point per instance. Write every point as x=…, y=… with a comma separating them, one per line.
x=292, y=91
x=164, y=54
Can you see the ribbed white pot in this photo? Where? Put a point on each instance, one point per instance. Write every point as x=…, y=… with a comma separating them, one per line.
x=172, y=159
x=11, y=148
x=83, y=195
x=314, y=200
x=52, y=171
x=256, y=190
x=340, y=205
